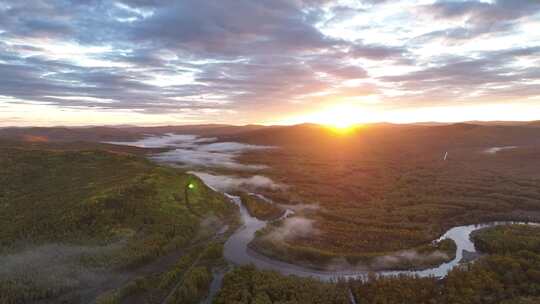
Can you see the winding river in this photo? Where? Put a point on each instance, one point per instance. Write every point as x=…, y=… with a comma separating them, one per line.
x=237, y=252
x=191, y=150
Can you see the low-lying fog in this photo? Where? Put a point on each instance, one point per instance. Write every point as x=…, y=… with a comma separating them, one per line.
x=226, y=183
x=58, y=266
x=193, y=151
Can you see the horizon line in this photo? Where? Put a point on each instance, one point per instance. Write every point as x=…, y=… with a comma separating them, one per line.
x=146, y=125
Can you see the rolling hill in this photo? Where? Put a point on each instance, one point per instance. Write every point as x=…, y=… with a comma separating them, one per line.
x=79, y=223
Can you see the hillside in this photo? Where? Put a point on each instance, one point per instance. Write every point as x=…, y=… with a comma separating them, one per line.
x=76, y=224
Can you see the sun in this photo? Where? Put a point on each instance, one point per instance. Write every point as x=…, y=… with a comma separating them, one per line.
x=341, y=118
x=341, y=125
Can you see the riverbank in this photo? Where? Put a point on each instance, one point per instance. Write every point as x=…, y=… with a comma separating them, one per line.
x=505, y=274
x=237, y=251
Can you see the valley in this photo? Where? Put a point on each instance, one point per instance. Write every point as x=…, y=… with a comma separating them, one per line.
x=314, y=205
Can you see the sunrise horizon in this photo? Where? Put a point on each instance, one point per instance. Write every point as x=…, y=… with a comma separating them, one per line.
x=332, y=116
x=270, y=151
x=284, y=62
x=277, y=124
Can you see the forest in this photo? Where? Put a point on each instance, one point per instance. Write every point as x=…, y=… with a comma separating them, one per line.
x=84, y=222
x=384, y=189
x=259, y=208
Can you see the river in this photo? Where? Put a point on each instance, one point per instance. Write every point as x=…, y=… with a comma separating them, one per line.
x=237, y=252
x=191, y=150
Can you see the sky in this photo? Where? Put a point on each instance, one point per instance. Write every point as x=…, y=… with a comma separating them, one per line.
x=156, y=62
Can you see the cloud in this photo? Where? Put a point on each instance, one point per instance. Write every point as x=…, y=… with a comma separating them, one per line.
x=242, y=60
x=490, y=75
x=376, y=52
x=479, y=17
x=160, y=57
x=177, y=26
x=227, y=183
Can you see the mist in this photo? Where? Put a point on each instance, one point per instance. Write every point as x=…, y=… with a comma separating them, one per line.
x=293, y=227
x=165, y=140
x=227, y=183
x=192, y=151
x=56, y=265
x=407, y=257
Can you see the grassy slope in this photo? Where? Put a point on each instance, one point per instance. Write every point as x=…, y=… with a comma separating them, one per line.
x=98, y=199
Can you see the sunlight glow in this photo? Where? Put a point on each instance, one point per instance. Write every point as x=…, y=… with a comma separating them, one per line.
x=343, y=117
x=339, y=117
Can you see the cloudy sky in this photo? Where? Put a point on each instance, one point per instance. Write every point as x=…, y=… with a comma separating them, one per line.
x=268, y=61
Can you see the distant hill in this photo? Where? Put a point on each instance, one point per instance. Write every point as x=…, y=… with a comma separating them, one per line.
x=282, y=134
x=77, y=224
x=124, y=133
x=91, y=134
x=209, y=130
x=504, y=123
x=459, y=134
x=467, y=133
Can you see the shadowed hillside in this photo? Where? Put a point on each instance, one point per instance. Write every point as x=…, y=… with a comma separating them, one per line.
x=76, y=224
